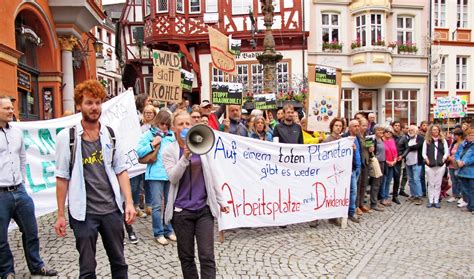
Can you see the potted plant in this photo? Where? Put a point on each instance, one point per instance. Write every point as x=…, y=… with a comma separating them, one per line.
x=333, y=46
x=356, y=44
x=378, y=42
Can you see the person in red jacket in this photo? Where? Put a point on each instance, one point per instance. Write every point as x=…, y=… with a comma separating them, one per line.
x=213, y=117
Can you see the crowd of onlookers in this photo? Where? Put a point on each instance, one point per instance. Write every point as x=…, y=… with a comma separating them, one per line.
x=387, y=157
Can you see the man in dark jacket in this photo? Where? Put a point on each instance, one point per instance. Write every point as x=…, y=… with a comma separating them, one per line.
x=400, y=140
x=288, y=131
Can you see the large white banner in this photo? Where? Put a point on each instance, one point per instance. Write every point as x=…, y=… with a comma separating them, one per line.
x=273, y=184
x=40, y=140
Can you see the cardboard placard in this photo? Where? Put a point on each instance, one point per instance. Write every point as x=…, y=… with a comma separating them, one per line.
x=167, y=59
x=449, y=107
x=265, y=101
x=166, y=75
x=167, y=93
x=326, y=75
x=187, y=79
x=226, y=93
x=222, y=59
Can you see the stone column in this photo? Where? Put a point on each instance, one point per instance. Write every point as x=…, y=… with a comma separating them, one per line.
x=67, y=44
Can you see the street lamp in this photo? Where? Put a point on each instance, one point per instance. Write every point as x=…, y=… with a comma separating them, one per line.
x=269, y=58
x=80, y=55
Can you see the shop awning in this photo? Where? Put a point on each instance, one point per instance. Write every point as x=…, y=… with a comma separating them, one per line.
x=371, y=79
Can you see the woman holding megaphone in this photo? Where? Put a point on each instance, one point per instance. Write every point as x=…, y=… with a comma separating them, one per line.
x=193, y=202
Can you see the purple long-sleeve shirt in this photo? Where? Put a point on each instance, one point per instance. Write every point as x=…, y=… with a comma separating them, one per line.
x=192, y=193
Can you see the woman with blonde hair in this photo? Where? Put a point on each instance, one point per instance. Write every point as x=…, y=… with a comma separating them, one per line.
x=149, y=113
x=435, y=152
x=260, y=129
x=194, y=201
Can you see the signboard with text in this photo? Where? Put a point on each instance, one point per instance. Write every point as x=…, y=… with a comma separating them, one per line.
x=273, y=184
x=265, y=101
x=166, y=84
x=450, y=107
x=226, y=93
x=326, y=75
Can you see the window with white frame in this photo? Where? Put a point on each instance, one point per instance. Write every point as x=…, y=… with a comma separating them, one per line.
x=180, y=6
x=211, y=6
x=361, y=30
x=346, y=103
x=217, y=75
x=147, y=7
x=462, y=13
x=241, y=6
x=257, y=78
x=243, y=74
x=401, y=105
x=161, y=6
x=440, y=80
x=405, y=29
x=330, y=25
x=194, y=6
x=282, y=77
x=376, y=28
x=440, y=13
x=461, y=72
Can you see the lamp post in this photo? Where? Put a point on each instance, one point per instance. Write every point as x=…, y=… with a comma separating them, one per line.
x=269, y=58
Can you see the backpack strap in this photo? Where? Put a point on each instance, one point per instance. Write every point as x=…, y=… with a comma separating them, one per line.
x=72, y=147
x=113, y=140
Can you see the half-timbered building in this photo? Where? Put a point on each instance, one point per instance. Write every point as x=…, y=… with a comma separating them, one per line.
x=182, y=26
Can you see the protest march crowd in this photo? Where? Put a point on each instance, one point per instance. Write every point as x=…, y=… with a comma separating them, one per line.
x=389, y=160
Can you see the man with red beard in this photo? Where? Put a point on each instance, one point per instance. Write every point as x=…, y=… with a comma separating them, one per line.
x=96, y=169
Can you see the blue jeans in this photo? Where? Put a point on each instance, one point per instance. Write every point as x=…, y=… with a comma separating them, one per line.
x=353, y=193
x=467, y=185
x=159, y=190
x=455, y=182
x=413, y=173
x=147, y=190
x=136, y=185
x=387, y=179
x=19, y=206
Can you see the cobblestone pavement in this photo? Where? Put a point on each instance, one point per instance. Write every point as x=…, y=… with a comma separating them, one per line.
x=405, y=241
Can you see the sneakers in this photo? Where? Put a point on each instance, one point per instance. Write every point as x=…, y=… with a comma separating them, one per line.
x=133, y=238
x=45, y=272
x=418, y=201
x=437, y=205
x=172, y=237
x=462, y=204
x=354, y=219
x=396, y=200
x=429, y=205
x=314, y=224
x=377, y=208
x=335, y=221
x=140, y=213
x=402, y=193
x=148, y=210
x=451, y=199
x=161, y=240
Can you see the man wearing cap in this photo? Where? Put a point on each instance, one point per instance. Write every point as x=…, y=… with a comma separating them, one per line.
x=15, y=203
x=213, y=117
